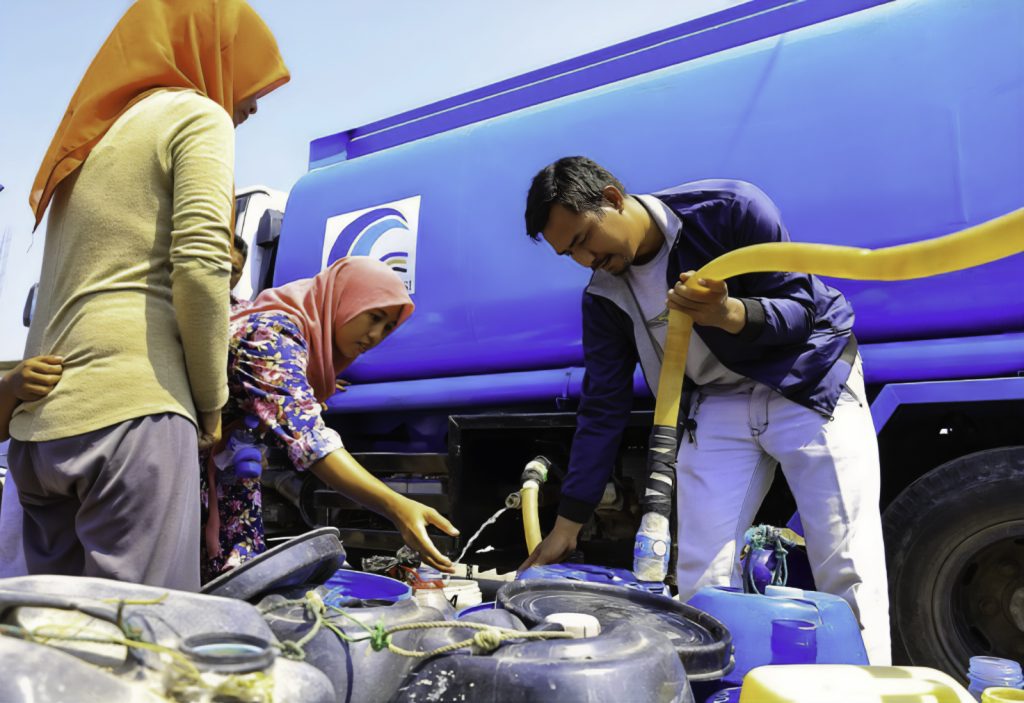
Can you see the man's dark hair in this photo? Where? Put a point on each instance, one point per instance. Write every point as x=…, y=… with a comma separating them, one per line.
x=241, y=246
x=575, y=182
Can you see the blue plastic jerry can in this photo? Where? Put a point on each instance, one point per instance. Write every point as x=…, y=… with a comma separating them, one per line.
x=829, y=633
x=594, y=574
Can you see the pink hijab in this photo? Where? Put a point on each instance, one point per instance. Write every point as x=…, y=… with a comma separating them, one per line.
x=336, y=295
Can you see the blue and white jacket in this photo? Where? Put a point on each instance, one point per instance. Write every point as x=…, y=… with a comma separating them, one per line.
x=797, y=340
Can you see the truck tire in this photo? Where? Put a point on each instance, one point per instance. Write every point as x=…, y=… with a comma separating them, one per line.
x=955, y=547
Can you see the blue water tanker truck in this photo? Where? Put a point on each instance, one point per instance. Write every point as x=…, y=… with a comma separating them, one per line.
x=869, y=123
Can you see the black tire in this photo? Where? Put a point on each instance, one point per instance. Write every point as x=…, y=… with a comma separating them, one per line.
x=955, y=547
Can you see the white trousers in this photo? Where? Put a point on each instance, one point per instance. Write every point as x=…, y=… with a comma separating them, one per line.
x=831, y=466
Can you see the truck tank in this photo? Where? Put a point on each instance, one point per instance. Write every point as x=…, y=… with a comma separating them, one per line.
x=881, y=126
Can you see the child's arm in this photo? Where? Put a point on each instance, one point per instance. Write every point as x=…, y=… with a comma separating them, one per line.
x=32, y=379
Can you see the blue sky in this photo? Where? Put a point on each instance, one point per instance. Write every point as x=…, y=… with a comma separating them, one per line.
x=351, y=63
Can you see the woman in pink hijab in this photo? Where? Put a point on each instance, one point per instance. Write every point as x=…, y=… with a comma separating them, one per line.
x=285, y=354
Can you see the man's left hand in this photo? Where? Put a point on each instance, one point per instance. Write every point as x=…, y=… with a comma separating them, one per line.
x=708, y=303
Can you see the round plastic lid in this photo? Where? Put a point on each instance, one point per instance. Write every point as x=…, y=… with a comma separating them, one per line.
x=310, y=559
x=462, y=614
x=703, y=644
x=347, y=583
x=783, y=592
x=228, y=653
x=995, y=669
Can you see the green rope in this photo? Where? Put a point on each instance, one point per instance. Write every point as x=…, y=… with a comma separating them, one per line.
x=185, y=681
x=380, y=638
x=257, y=687
x=765, y=537
x=486, y=638
x=130, y=601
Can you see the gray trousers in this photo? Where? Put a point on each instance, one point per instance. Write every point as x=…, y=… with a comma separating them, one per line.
x=12, y=555
x=121, y=502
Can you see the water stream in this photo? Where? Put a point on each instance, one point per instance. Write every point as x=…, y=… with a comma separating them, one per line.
x=472, y=539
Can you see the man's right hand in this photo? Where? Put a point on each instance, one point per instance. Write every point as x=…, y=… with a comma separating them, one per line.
x=559, y=544
x=209, y=429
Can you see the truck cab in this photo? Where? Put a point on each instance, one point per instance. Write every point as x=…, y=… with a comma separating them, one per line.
x=258, y=213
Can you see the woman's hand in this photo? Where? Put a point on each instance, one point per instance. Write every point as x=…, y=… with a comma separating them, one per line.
x=411, y=519
x=343, y=473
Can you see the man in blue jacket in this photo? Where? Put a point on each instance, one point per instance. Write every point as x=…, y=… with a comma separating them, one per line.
x=773, y=362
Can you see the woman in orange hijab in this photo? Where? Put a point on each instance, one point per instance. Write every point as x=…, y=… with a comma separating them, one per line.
x=134, y=291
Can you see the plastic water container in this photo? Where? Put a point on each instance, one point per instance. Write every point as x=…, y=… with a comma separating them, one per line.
x=480, y=607
x=702, y=643
x=764, y=561
x=1002, y=695
x=434, y=598
x=425, y=572
x=794, y=642
x=750, y=616
x=347, y=584
x=651, y=548
x=726, y=695
x=242, y=456
x=817, y=683
x=589, y=573
x=354, y=669
x=626, y=662
x=459, y=593
x=993, y=672
x=462, y=593
x=303, y=561
x=219, y=636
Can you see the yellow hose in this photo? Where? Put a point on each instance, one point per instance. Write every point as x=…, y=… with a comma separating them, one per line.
x=981, y=244
x=531, y=519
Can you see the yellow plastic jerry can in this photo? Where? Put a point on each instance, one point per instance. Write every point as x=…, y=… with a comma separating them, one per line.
x=841, y=683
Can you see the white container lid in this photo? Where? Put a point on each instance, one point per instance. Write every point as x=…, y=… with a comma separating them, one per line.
x=783, y=592
x=578, y=624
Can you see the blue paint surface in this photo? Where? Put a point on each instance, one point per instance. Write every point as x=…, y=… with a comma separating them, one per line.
x=884, y=125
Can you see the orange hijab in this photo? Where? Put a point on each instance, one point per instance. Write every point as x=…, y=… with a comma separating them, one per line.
x=333, y=297
x=219, y=48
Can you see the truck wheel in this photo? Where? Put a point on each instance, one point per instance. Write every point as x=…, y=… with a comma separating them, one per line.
x=955, y=548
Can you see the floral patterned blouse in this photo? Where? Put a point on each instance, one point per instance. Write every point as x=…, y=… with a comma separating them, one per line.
x=267, y=360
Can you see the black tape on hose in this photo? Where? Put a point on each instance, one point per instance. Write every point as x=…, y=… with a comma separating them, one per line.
x=661, y=471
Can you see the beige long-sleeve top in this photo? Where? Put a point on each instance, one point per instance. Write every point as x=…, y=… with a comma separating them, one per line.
x=134, y=286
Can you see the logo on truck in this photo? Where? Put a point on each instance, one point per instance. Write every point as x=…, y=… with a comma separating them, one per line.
x=386, y=232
